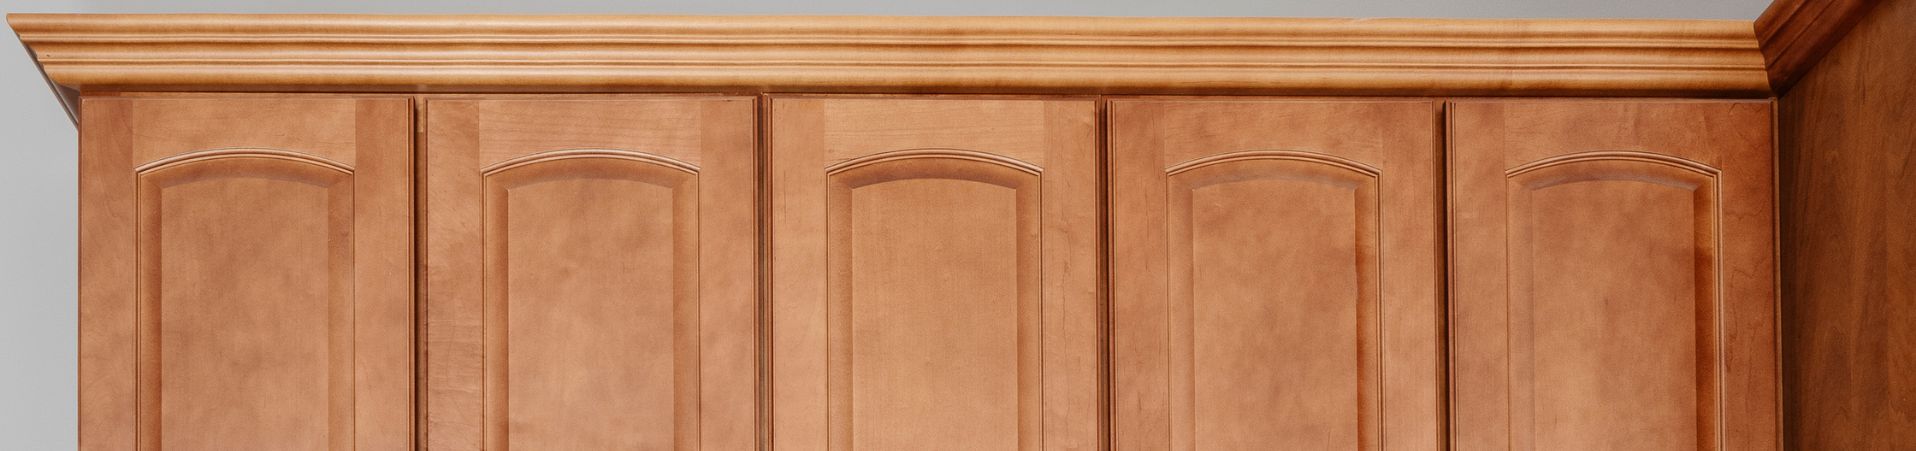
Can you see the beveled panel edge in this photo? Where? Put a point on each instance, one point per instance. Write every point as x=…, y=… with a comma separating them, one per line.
x=569, y=154
x=242, y=152
x=468, y=53
x=1287, y=155
x=1795, y=34
x=934, y=153
x=1616, y=155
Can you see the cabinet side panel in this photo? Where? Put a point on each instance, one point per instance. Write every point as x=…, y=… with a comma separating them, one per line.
x=1848, y=156
x=107, y=279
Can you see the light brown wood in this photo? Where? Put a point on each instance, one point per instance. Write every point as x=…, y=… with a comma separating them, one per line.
x=1276, y=274
x=1613, y=275
x=590, y=273
x=246, y=273
x=1848, y=186
x=1795, y=34
x=934, y=273
x=1044, y=55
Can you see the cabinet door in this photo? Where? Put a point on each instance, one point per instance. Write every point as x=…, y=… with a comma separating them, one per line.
x=1613, y=281
x=245, y=273
x=1275, y=274
x=934, y=274
x=590, y=273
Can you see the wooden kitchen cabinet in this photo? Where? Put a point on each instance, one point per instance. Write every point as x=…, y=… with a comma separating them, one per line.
x=1612, y=275
x=926, y=233
x=590, y=273
x=245, y=272
x=934, y=273
x=1276, y=274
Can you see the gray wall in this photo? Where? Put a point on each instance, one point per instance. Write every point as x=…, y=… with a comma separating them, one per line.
x=37, y=191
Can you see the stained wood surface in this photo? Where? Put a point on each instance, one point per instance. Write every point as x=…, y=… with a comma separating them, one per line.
x=991, y=55
x=246, y=273
x=1612, y=275
x=1289, y=250
x=934, y=273
x=1849, y=248
x=1796, y=34
x=590, y=273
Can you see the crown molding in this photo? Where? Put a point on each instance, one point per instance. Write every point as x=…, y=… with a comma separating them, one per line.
x=1795, y=34
x=365, y=53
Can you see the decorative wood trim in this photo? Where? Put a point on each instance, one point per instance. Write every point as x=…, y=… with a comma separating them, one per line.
x=365, y=53
x=941, y=153
x=242, y=152
x=568, y=154
x=1795, y=34
x=1291, y=155
x=1616, y=155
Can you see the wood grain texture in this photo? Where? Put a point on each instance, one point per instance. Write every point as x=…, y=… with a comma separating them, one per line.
x=1288, y=249
x=1795, y=34
x=591, y=273
x=1848, y=156
x=1040, y=55
x=1612, y=275
x=934, y=273
x=246, y=286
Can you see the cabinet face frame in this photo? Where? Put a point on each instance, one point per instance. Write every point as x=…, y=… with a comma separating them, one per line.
x=1176, y=157
x=107, y=212
x=134, y=152
x=485, y=157
x=833, y=162
x=1505, y=152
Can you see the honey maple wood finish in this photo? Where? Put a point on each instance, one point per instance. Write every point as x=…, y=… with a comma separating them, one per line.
x=590, y=273
x=1288, y=249
x=1042, y=55
x=1796, y=34
x=1612, y=275
x=934, y=273
x=245, y=287
x=1848, y=149
x=899, y=271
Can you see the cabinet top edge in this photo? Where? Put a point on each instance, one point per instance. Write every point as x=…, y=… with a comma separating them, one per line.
x=871, y=54
x=579, y=24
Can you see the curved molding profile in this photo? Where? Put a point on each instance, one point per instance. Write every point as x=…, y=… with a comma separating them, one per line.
x=933, y=153
x=1288, y=155
x=364, y=53
x=242, y=152
x=1795, y=34
x=569, y=154
x=1616, y=155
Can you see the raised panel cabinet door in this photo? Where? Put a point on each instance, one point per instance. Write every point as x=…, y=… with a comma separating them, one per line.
x=246, y=273
x=590, y=273
x=1613, y=275
x=1275, y=274
x=934, y=273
